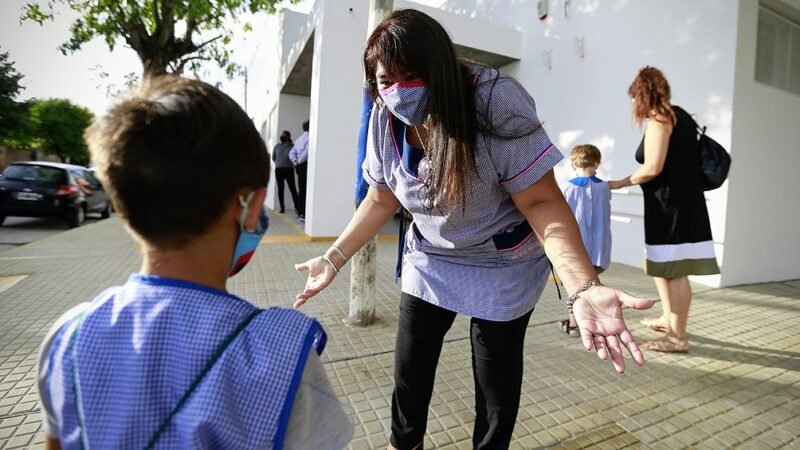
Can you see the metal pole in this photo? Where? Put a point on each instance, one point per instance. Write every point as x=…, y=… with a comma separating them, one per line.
x=364, y=262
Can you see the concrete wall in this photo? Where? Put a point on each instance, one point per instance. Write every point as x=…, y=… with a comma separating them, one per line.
x=706, y=48
x=584, y=99
x=339, y=34
x=762, y=213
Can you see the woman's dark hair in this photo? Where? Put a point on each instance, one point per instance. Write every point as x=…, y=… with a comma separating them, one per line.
x=651, y=94
x=410, y=44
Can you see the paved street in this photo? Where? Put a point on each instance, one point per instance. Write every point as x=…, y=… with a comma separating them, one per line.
x=738, y=386
x=16, y=231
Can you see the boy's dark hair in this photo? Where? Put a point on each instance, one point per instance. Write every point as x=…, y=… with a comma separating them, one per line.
x=305, y=125
x=173, y=154
x=586, y=155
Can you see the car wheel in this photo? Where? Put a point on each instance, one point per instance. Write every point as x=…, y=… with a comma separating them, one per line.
x=106, y=211
x=76, y=217
x=2, y=219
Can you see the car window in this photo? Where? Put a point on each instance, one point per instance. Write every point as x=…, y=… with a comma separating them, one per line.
x=41, y=174
x=92, y=179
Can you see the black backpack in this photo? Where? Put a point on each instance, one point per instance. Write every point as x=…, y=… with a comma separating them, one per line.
x=714, y=160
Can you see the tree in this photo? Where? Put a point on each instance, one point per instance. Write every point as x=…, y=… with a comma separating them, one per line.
x=58, y=127
x=168, y=35
x=12, y=113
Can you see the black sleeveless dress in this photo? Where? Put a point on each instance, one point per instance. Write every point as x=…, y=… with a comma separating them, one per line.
x=676, y=226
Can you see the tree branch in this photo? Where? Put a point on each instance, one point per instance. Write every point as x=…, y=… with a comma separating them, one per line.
x=166, y=35
x=182, y=64
x=198, y=47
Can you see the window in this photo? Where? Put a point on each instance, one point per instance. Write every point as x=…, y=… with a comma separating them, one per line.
x=25, y=172
x=778, y=50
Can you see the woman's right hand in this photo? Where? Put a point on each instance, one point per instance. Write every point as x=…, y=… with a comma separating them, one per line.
x=320, y=275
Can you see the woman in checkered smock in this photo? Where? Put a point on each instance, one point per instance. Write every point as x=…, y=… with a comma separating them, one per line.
x=461, y=148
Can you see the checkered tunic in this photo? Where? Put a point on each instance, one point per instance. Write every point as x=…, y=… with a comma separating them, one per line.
x=141, y=345
x=482, y=261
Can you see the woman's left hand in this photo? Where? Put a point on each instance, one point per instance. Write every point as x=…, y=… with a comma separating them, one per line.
x=598, y=313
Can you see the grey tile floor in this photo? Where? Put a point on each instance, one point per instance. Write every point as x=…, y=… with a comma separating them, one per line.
x=738, y=386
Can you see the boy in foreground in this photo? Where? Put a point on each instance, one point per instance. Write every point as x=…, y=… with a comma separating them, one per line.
x=170, y=359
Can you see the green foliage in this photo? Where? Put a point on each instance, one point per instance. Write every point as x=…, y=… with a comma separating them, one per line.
x=168, y=35
x=58, y=127
x=12, y=113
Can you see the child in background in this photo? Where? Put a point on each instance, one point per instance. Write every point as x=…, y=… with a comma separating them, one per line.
x=590, y=200
x=170, y=359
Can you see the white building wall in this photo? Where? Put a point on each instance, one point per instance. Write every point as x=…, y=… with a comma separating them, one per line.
x=762, y=214
x=584, y=99
x=339, y=36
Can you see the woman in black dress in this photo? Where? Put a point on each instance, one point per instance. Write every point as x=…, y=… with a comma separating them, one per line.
x=677, y=230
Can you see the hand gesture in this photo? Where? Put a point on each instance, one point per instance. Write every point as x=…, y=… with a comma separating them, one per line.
x=598, y=313
x=320, y=275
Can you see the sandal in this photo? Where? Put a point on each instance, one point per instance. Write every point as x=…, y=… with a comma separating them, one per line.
x=667, y=344
x=655, y=324
x=571, y=331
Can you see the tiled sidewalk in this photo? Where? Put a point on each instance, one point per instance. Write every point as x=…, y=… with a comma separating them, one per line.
x=738, y=386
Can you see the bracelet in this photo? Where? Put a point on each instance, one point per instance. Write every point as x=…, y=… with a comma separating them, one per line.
x=339, y=251
x=583, y=288
x=333, y=264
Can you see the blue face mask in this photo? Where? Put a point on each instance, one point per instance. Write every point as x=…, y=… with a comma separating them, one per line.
x=248, y=240
x=408, y=101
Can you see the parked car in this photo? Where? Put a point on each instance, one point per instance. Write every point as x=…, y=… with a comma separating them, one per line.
x=43, y=189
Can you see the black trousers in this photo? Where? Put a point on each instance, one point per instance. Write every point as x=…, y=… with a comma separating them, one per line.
x=301, y=170
x=286, y=175
x=496, y=367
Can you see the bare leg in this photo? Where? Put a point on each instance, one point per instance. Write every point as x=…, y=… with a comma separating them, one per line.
x=665, y=293
x=676, y=297
x=680, y=299
x=663, y=287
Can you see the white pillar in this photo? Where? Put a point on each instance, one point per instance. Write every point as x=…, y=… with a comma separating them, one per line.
x=335, y=105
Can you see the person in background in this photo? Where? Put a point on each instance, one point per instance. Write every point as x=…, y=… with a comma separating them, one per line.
x=299, y=157
x=677, y=231
x=589, y=198
x=284, y=169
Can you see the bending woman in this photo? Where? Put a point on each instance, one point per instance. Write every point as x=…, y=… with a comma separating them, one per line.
x=460, y=147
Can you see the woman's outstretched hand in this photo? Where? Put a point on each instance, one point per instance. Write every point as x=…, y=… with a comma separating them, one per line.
x=320, y=275
x=598, y=312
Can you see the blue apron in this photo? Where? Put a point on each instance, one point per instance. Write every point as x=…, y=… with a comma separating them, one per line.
x=162, y=363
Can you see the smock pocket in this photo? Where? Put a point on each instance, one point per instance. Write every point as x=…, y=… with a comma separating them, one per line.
x=517, y=243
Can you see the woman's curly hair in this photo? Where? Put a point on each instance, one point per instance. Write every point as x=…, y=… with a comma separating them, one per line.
x=651, y=95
